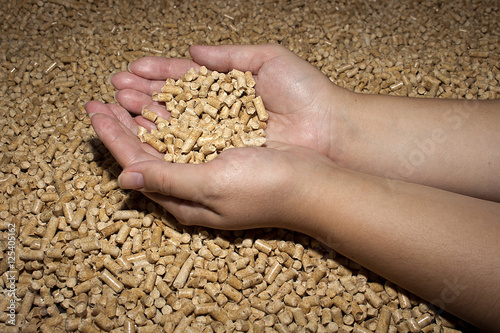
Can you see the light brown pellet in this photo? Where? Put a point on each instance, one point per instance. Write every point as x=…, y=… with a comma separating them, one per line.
x=125, y=215
x=184, y=272
x=286, y=276
x=31, y=255
x=261, y=110
x=263, y=246
x=111, y=229
x=89, y=244
x=83, y=287
x=187, y=148
x=251, y=280
x=59, y=184
x=404, y=301
x=373, y=298
x=424, y=320
x=231, y=293
x=111, y=281
x=234, y=282
x=219, y=314
x=149, y=282
x=383, y=320
x=412, y=325
x=360, y=329
x=103, y=322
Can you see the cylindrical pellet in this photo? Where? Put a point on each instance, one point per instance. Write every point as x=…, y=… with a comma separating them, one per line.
x=383, y=320
x=88, y=244
x=342, y=304
x=111, y=229
x=183, y=274
x=103, y=322
x=231, y=293
x=149, y=282
x=125, y=215
x=373, y=298
x=251, y=280
x=111, y=281
x=261, y=110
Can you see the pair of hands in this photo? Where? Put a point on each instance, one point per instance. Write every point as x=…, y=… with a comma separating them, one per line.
x=245, y=187
x=295, y=182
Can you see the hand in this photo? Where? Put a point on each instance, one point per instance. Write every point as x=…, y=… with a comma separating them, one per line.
x=242, y=188
x=302, y=102
x=299, y=98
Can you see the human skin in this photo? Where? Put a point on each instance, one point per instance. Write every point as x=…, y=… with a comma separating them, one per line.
x=346, y=164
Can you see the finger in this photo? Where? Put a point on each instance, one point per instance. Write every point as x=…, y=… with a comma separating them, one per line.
x=147, y=124
x=112, y=110
x=121, y=142
x=185, y=211
x=224, y=58
x=133, y=100
x=182, y=181
x=127, y=80
x=157, y=68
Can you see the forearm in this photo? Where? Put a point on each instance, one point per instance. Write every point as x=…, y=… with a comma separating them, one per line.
x=423, y=239
x=448, y=144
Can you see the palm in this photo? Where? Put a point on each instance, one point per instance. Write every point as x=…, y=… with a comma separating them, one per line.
x=299, y=98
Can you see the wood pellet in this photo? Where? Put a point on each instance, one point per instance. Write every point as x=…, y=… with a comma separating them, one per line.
x=209, y=113
x=79, y=254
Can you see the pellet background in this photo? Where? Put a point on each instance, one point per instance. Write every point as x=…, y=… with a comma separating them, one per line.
x=90, y=256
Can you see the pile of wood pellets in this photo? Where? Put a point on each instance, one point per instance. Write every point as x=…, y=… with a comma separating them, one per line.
x=80, y=254
x=208, y=114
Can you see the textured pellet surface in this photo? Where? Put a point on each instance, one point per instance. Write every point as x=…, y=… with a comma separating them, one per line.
x=209, y=113
x=91, y=257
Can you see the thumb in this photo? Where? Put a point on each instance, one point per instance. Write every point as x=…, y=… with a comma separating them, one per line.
x=183, y=181
x=224, y=58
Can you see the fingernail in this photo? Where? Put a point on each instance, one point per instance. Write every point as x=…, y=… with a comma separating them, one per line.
x=114, y=96
x=131, y=180
x=91, y=114
x=109, y=78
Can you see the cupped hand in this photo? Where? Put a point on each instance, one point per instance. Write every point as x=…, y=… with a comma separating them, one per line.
x=302, y=102
x=253, y=187
x=242, y=188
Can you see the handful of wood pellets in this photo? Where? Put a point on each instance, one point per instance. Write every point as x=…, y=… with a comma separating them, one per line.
x=209, y=112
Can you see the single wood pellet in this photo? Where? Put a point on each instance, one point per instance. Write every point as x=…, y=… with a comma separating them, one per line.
x=90, y=257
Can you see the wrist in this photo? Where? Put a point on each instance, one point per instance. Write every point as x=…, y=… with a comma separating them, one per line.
x=314, y=192
x=342, y=131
